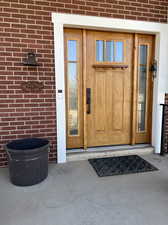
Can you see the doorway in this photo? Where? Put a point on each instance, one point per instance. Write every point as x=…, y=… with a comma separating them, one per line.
x=108, y=88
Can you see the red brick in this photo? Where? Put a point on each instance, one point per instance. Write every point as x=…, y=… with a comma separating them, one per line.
x=4, y=4
x=18, y=25
x=11, y=20
x=92, y=3
x=79, y=2
x=56, y=4
x=143, y=1
x=16, y=123
x=9, y=137
x=4, y=24
x=64, y=10
x=14, y=10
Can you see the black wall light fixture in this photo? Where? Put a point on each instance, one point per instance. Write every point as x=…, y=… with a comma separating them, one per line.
x=154, y=68
x=30, y=60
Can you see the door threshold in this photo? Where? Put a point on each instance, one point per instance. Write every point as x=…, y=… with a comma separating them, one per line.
x=108, y=148
x=109, y=151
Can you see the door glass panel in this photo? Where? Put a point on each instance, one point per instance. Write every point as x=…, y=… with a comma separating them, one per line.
x=72, y=78
x=143, y=54
x=119, y=51
x=73, y=99
x=72, y=52
x=110, y=51
x=100, y=51
x=142, y=81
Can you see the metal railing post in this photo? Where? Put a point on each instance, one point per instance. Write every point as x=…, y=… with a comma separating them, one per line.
x=163, y=136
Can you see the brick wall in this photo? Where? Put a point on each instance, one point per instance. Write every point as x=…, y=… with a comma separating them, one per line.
x=25, y=25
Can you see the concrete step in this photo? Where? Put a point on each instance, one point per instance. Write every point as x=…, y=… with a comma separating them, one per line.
x=76, y=155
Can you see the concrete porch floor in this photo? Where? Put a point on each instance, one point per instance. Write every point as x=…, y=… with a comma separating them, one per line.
x=74, y=195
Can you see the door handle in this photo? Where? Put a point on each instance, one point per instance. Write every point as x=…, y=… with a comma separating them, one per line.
x=88, y=100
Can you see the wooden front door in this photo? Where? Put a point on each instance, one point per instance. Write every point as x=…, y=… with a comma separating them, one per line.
x=109, y=77
x=108, y=88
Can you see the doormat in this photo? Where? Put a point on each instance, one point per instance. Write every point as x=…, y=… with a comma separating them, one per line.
x=121, y=165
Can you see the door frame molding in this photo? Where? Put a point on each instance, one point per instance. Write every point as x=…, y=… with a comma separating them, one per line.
x=61, y=20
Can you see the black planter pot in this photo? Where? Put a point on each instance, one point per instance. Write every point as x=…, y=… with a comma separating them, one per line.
x=28, y=161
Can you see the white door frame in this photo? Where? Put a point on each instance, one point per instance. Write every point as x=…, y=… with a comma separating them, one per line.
x=100, y=23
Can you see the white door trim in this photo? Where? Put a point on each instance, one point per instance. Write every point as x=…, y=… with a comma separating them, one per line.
x=161, y=54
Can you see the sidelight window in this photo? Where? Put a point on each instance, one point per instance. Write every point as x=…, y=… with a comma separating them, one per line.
x=142, y=87
x=72, y=78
